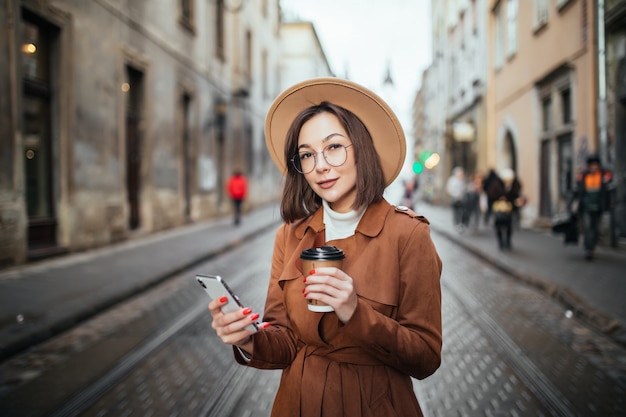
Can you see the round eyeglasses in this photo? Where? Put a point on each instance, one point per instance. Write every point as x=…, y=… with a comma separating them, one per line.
x=334, y=154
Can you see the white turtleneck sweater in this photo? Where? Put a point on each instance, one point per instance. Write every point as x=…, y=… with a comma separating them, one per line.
x=340, y=225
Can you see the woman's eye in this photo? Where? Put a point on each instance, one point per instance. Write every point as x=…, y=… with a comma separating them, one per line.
x=334, y=147
x=305, y=155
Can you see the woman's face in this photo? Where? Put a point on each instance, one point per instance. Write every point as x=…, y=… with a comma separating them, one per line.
x=334, y=184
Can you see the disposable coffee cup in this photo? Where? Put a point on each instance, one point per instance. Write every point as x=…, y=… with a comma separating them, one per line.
x=323, y=256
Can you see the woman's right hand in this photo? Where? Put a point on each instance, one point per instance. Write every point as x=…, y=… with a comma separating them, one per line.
x=231, y=327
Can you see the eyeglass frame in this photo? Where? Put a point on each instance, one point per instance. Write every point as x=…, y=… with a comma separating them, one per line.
x=297, y=155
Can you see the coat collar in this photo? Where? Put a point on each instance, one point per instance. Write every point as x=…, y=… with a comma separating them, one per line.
x=370, y=225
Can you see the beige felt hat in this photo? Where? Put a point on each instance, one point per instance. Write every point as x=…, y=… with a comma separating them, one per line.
x=377, y=116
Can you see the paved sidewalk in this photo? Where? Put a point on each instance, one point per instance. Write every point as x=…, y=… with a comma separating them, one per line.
x=593, y=290
x=43, y=299
x=40, y=300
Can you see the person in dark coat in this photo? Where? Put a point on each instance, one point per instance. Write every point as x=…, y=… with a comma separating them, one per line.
x=508, y=200
x=593, y=195
x=492, y=187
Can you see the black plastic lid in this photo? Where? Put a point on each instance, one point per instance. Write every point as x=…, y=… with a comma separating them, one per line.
x=327, y=253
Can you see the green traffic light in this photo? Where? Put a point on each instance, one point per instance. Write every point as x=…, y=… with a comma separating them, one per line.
x=418, y=167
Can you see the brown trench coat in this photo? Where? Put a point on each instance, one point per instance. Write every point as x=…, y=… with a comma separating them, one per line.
x=362, y=368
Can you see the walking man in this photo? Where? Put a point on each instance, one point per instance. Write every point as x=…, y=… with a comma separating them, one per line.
x=592, y=193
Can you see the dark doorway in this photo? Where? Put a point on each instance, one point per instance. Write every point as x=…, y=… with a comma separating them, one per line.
x=566, y=166
x=134, y=117
x=510, y=151
x=37, y=47
x=545, y=191
x=186, y=154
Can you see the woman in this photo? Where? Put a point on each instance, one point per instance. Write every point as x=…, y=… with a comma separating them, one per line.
x=340, y=145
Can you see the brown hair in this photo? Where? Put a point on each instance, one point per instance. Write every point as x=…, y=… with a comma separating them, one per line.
x=299, y=200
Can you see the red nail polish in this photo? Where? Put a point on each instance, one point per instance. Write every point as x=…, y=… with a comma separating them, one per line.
x=254, y=316
x=312, y=272
x=265, y=325
x=223, y=300
x=247, y=311
x=303, y=290
x=305, y=280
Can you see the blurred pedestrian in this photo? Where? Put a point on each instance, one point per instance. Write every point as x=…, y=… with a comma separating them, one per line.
x=492, y=184
x=410, y=189
x=237, y=190
x=593, y=195
x=339, y=146
x=472, y=212
x=508, y=195
x=457, y=190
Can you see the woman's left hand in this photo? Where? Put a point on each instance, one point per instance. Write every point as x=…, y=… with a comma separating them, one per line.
x=334, y=287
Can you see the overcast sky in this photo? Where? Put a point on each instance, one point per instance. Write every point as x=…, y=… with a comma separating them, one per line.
x=361, y=38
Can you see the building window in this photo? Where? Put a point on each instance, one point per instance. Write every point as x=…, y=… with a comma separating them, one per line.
x=541, y=13
x=546, y=107
x=499, y=38
x=248, y=68
x=219, y=30
x=511, y=26
x=474, y=18
x=566, y=105
x=264, y=80
x=186, y=14
x=560, y=4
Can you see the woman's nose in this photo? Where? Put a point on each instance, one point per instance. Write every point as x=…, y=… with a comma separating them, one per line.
x=321, y=164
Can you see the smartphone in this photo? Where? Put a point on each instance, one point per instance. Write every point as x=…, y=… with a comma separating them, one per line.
x=215, y=286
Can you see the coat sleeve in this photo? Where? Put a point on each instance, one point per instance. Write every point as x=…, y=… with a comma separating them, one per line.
x=276, y=346
x=411, y=341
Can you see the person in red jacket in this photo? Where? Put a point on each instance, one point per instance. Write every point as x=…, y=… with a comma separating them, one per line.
x=237, y=190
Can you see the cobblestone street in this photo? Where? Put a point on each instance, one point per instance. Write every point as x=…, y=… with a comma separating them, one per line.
x=508, y=350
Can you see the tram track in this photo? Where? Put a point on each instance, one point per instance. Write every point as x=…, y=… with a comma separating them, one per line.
x=143, y=325
x=89, y=395
x=180, y=367
x=525, y=369
x=222, y=398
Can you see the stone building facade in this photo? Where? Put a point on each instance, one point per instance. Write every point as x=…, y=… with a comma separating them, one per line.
x=454, y=92
x=550, y=92
x=120, y=119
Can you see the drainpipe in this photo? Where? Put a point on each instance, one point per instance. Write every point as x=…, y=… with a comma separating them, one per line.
x=601, y=71
x=603, y=146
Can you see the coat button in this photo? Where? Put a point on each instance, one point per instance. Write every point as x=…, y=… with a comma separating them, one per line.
x=402, y=208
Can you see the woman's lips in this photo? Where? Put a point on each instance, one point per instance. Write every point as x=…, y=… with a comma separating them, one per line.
x=326, y=184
